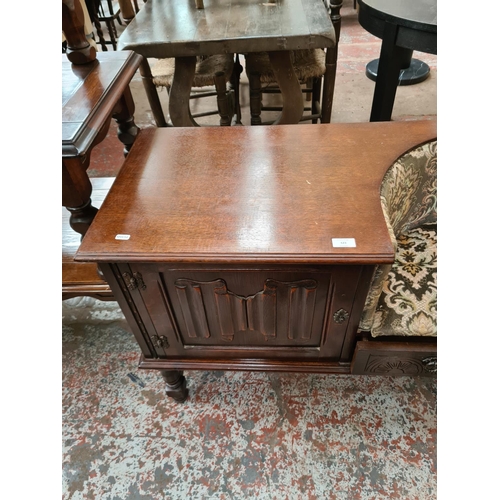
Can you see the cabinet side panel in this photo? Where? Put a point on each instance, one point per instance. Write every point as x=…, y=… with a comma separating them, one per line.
x=127, y=305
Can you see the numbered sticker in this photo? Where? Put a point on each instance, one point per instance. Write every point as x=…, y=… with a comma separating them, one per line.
x=122, y=237
x=344, y=243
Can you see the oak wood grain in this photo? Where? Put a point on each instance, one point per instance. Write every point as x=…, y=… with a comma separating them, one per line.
x=252, y=195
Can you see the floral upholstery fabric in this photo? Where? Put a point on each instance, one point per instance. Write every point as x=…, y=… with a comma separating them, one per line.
x=403, y=296
x=408, y=300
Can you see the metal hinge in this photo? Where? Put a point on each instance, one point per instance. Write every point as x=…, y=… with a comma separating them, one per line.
x=134, y=281
x=340, y=316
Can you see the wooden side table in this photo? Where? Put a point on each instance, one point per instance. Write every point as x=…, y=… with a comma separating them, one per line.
x=254, y=258
x=94, y=89
x=93, y=93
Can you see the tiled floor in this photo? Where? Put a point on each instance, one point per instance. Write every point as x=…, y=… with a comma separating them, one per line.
x=243, y=435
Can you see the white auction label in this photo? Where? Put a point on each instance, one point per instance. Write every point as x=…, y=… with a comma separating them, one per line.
x=122, y=237
x=344, y=243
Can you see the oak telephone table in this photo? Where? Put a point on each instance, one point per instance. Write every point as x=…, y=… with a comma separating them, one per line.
x=236, y=248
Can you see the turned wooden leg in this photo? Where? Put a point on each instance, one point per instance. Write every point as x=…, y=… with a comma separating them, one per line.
x=79, y=50
x=77, y=188
x=293, y=102
x=182, y=82
x=329, y=84
x=111, y=33
x=224, y=99
x=175, y=385
x=255, y=98
x=100, y=34
x=316, y=97
x=124, y=116
x=152, y=93
x=81, y=217
x=126, y=10
x=234, y=84
x=331, y=63
x=76, y=193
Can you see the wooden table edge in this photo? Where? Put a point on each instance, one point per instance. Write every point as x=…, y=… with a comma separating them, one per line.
x=103, y=108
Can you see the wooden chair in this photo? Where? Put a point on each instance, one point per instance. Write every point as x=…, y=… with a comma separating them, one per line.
x=214, y=70
x=310, y=65
x=107, y=14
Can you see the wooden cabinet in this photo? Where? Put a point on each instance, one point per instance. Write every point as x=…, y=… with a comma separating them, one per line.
x=278, y=312
x=217, y=243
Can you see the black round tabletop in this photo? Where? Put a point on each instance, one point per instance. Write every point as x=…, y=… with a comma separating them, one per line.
x=416, y=14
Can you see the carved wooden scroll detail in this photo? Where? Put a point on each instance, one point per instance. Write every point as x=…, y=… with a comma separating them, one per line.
x=390, y=365
x=209, y=309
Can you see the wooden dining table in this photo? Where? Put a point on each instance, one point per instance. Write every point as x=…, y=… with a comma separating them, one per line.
x=176, y=28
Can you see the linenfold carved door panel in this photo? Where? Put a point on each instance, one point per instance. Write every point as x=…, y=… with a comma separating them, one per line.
x=252, y=311
x=209, y=310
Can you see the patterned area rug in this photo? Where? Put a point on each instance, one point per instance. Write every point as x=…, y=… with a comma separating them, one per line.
x=240, y=435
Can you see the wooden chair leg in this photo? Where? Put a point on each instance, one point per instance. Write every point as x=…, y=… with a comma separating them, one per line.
x=152, y=93
x=255, y=98
x=223, y=99
x=316, y=97
x=111, y=31
x=100, y=35
x=309, y=84
x=235, y=85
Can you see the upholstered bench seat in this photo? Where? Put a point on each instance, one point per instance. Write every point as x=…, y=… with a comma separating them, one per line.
x=408, y=303
x=402, y=300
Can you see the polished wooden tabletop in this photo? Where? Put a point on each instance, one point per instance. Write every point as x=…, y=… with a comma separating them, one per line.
x=276, y=194
x=176, y=28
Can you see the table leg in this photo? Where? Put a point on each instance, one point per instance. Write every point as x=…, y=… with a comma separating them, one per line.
x=329, y=83
x=76, y=192
x=152, y=93
x=175, y=384
x=391, y=59
x=76, y=185
x=293, y=102
x=178, y=102
x=411, y=72
x=126, y=10
x=124, y=117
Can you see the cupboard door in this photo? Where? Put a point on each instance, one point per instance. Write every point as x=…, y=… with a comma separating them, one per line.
x=266, y=313
x=252, y=309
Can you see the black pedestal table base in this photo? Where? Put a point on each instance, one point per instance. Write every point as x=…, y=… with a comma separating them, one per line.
x=417, y=72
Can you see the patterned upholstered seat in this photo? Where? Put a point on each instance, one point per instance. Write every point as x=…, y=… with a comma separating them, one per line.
x=403, y=296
